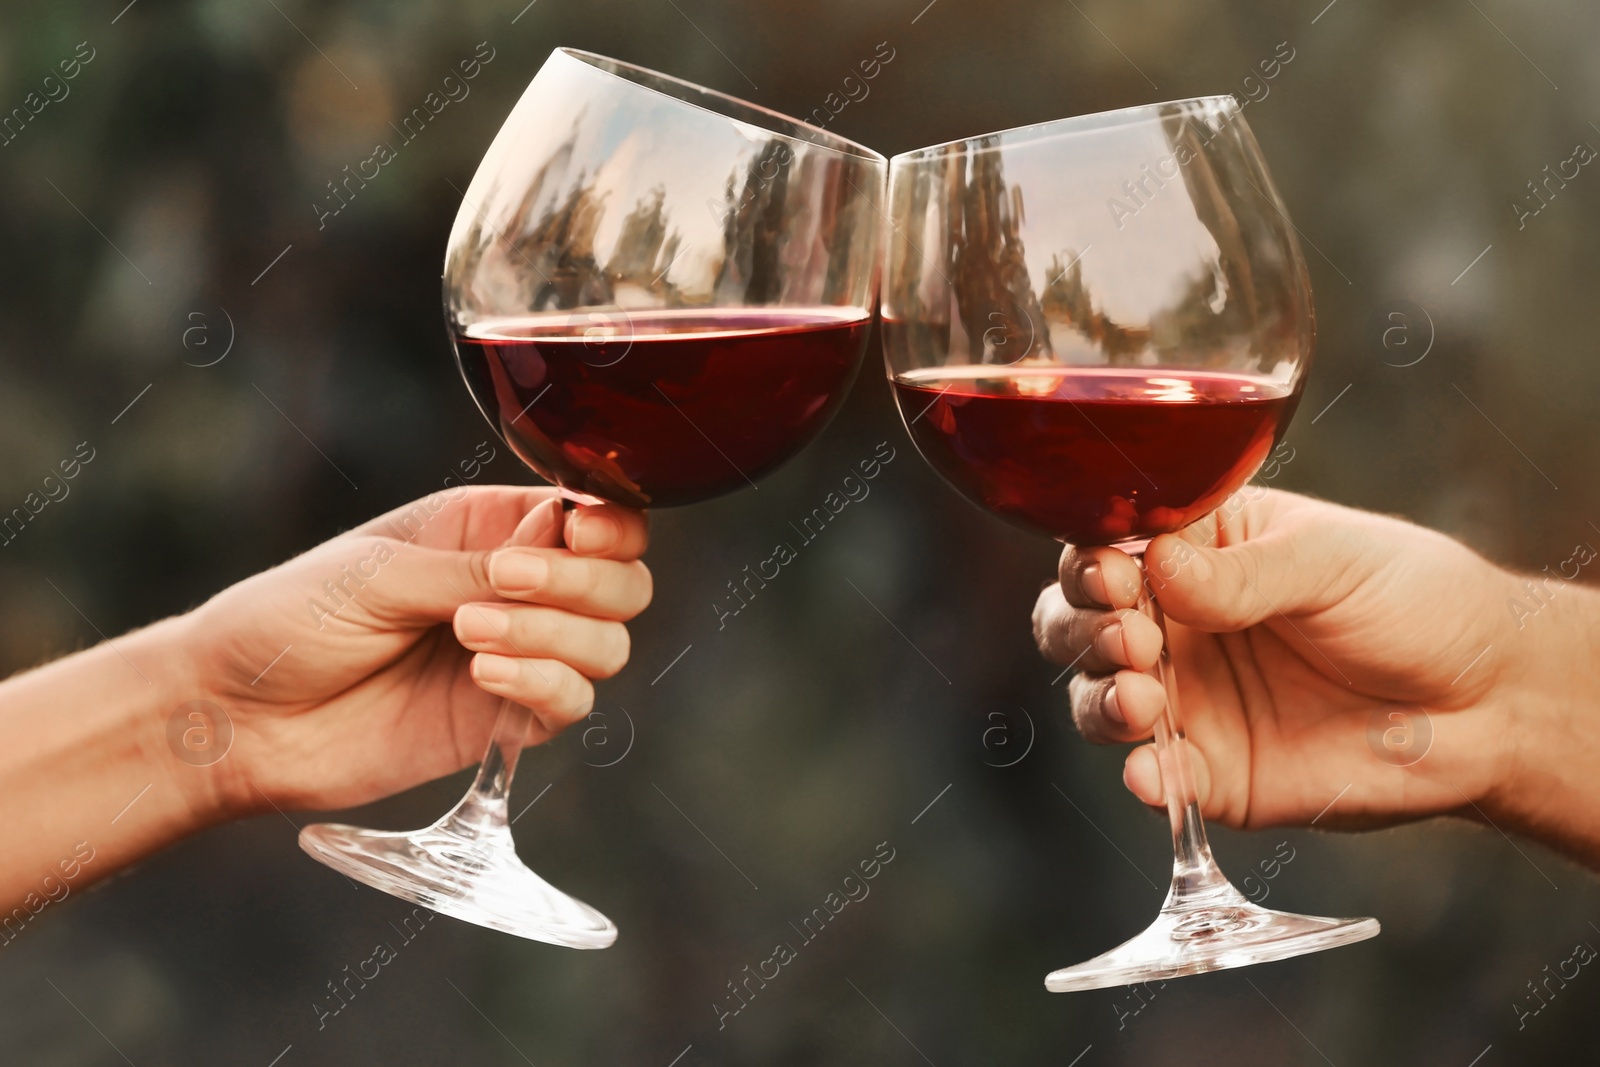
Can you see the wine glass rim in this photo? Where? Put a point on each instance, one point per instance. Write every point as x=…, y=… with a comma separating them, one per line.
x=1036, y=132
x=800, y=130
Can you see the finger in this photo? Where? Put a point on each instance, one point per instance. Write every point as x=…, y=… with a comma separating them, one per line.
x=603, y=588
x=1099, y=577
x=607, y=531
x=557, y=695
x=1094, y=641
x=1141, y=773
x=1117, y=709
x=595, y=647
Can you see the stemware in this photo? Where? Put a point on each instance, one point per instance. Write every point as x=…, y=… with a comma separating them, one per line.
x=657, y=294
x=1097, y=329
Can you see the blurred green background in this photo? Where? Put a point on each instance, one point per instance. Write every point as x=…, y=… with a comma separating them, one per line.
x=197, y=139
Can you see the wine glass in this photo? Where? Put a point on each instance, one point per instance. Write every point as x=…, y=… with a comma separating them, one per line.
x=1097, y=329
x=657, y=294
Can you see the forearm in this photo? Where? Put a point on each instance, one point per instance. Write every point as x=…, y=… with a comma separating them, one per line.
x=1550, y=789
x=89, y=781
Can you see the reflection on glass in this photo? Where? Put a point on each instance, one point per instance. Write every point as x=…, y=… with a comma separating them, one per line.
x=1158, y=246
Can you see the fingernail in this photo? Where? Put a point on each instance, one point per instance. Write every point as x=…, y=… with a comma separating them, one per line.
x=495, y=670
x=475, y=624
x=1093, y=584
x=1109, y=643
x=518, y=572
x=1113, y=707
x=593, y=533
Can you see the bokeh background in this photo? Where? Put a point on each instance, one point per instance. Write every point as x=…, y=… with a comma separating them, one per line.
x=808, y=731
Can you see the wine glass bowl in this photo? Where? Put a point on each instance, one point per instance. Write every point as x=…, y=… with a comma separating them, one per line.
x=1097, y=329
x=657, y=294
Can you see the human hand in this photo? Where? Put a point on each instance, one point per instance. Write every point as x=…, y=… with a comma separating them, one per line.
x=344, y=672
x=1296, y=628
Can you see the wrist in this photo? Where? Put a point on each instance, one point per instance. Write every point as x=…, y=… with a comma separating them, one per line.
x=197, y=726
x=181, y=743
x=1551, y=710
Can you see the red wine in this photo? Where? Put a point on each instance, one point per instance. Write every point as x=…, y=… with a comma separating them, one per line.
x=658, y=408
x=1094, y=455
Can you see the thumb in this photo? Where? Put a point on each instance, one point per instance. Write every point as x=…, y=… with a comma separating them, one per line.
x=540, y=527
x=1221, y=590
x=417, y=585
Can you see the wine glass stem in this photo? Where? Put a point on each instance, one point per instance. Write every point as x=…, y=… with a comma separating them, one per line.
x=486, y=805
x=1196, y=879
x=484, y=810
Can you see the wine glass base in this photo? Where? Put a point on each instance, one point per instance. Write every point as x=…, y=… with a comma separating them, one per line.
x=1212, y=937
x=474, y=876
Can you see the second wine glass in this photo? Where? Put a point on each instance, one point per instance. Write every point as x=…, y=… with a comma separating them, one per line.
x=1097, y=329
